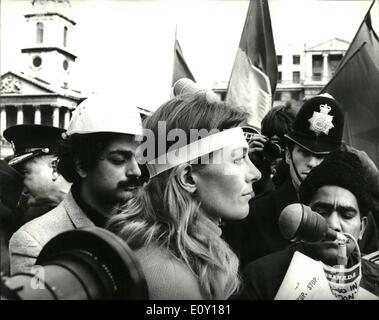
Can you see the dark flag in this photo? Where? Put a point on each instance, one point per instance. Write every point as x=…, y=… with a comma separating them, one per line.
x=181, y=69
x=254, y=75
x=355, y=85
x=365, y=34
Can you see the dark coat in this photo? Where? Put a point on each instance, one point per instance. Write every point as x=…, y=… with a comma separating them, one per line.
x=263, y=277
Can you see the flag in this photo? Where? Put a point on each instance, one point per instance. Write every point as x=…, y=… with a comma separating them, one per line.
x=181, y=69
x=254, y=75
x=355, y=85
x=365, y=34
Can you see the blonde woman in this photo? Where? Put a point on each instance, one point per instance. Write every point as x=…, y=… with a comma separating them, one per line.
x=173, y=223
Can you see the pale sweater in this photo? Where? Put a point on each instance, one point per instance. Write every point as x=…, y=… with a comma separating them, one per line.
x=167, y=277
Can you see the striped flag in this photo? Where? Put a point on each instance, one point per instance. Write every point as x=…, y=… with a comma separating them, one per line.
x=254, y=75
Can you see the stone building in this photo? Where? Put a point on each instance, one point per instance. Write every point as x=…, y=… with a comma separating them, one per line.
x=303, y=70
x=40, y=92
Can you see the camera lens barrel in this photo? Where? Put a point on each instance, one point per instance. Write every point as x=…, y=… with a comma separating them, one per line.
x=272, y=150
x=60, y=280
x=86, y=264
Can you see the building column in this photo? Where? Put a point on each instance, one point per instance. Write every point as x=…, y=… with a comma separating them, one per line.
x=37, y=115
x=308, y=67
x=3, y=120
x=20, y=115
x=325, y=73
x=66, y=118
x=56, y=117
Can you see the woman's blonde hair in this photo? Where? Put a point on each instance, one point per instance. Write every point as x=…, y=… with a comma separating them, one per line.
x=164, y=213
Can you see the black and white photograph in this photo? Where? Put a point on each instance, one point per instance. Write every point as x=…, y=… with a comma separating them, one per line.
x=199, y=154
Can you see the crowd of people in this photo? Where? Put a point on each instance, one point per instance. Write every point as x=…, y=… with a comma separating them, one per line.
x=196, y=192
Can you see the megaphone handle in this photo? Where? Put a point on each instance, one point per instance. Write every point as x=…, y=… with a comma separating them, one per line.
x=342, y=254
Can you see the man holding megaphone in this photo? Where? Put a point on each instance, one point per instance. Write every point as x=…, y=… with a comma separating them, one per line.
x=326, y=228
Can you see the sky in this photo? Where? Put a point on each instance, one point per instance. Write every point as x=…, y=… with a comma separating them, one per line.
x=127, y=45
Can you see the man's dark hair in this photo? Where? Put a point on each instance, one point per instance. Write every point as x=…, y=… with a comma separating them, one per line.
x=86, y=148
x=342, y=169
x=278, y=121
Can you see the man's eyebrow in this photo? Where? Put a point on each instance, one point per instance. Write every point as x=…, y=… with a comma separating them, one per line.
x=322, y=205
x=347, y=208
x=340, y=207
x=122, y=152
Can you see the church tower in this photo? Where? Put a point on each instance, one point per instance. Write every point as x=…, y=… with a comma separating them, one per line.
x=48, y=53
x=40, y=92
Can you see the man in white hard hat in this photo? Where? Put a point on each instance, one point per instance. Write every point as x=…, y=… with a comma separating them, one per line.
x=98, y=156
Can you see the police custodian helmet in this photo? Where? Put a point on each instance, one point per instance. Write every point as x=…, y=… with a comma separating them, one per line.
x=318, y=126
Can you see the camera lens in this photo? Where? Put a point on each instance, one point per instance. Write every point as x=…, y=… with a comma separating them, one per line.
x=272, y=150
x=86, y=264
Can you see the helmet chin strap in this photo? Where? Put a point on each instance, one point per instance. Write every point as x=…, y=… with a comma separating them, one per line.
x=295, y=169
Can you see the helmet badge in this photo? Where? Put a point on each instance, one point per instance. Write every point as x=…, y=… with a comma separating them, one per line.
x=321, y=122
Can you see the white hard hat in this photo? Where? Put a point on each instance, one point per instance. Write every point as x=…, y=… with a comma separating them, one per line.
x=105, y=113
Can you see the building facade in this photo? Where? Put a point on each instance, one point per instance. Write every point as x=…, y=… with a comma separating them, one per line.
x=40, y=93
x=303, y=70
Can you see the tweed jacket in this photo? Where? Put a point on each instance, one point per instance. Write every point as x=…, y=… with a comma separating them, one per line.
x=27, y=242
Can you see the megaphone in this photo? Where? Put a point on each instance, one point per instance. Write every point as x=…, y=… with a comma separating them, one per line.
x=185, y=86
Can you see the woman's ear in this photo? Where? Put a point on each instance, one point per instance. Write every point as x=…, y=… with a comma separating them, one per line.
x=185, y=178
x=80, y=170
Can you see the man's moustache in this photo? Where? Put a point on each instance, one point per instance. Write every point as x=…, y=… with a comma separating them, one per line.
x=135, y=183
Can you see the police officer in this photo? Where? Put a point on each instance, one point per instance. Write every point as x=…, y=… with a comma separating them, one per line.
x=317, y=131
x=98, y=157
x=35, y=148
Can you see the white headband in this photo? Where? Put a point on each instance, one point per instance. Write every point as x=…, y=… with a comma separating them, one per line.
x=196, y=149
